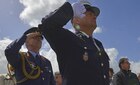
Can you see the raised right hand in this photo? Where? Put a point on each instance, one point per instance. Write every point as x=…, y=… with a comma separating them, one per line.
x=33, y=29
x=78, y=9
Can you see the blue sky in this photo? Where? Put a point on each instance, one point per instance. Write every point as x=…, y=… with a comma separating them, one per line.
x=118, y=22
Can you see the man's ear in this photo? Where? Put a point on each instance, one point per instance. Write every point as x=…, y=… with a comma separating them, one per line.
x=75, y=23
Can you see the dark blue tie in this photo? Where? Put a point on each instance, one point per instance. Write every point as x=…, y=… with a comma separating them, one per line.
x=37, y=60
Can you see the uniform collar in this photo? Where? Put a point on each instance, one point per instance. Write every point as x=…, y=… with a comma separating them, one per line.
x=85, y=34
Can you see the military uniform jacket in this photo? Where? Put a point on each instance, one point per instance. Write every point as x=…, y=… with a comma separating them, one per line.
x=71, y=49
x=14, y=58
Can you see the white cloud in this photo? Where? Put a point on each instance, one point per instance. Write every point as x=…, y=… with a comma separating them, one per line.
x=113, y=53
x=135, y=66
x=3, y=61
x=98, y=30
x=36, y=9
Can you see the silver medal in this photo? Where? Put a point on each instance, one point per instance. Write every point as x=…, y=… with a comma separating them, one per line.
x=85, y=56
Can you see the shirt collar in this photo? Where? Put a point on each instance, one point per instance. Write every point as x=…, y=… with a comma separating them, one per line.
x=34, y=53
x=85, y=34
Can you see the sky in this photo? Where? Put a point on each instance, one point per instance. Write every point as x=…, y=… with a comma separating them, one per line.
x=118, y=27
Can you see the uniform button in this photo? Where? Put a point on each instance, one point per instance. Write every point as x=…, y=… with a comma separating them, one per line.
x=50, y=71
x=43, y=78
x=85, y=47
x=41, y=71
x=100, y=54
x=104, y=76
x=102, y=64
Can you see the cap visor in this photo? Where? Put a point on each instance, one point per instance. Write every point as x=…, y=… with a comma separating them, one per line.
x=93, y=9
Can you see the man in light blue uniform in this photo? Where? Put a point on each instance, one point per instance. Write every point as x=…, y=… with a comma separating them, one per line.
x=30, y=67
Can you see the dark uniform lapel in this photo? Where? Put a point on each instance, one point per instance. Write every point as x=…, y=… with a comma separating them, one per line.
x=80, y=40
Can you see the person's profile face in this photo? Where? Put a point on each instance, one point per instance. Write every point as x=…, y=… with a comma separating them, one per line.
x=89, y=20
x=58, y=79
x=126, y=65
x=110, y=74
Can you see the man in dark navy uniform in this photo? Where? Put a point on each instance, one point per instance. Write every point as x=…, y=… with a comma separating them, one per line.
x=30, y=67
x=82, y=59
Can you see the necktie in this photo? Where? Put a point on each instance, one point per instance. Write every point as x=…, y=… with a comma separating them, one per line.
x=37, y=60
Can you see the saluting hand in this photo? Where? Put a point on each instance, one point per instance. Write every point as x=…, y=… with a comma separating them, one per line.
x=78, y=9
x=33, y=29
